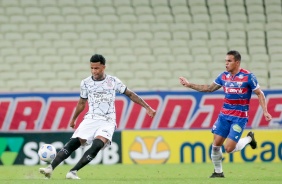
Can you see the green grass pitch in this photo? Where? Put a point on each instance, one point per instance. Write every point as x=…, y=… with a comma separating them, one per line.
x=148, y=174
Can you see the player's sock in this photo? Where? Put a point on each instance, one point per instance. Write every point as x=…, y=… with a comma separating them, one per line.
x=65, y=152
x=89, y=155
x=216, y=156
x=242, y=143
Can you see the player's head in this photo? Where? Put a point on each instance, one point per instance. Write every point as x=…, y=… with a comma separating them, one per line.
x=232, y=61
x=97, y=66
x=98, y=58
x=236, y=54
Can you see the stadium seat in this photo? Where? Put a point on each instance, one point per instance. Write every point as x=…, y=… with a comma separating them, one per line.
x=197, y=27
x=205, y=58
x=255, y=26
x=162, y=74
x=103, y=3
x=160, y=27
x=199, y=50
x=274, y=50
x=216, y=42
x=275, y=82
x=215, y=10
x=164, y=18
x=274, y=17
x=257, y=17
x=255, y=9
x=221, y=35
x=219, y=18
x=122, y=3
x=200, y=35
x=136, y=83
x=272, y=9
x=202, y=18
x=29, y=3
x=256, y=42
x=193, y=3
x=218, y=50
x=123, y=10
x=179, y=9
x=216, y=3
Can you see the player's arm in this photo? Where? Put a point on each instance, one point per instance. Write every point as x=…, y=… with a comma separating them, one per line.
x=137, y=99
x=79, y=108
x=262, y=103
x=202, y=88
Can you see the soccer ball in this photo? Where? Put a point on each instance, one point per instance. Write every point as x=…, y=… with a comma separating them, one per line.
x=47, y=153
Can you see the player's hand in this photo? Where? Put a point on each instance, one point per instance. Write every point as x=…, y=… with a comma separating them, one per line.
x=267, y=116
x=183, y=81
x=72, y=124
x=151, y=112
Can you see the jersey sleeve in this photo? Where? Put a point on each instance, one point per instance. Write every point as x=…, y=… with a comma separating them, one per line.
x=253, y=82
x=120, y=87
x=83, y=90
x=218, y=80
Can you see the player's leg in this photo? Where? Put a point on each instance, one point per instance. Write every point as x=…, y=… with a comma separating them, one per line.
x=249, y=139
x=234, y=142
x=220, y=131
x=63, y=154
x=67, y=150
x=216, y=156
x=102, y=138
x=90, y=154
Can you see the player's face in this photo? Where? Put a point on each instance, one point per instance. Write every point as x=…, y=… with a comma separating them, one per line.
x=97, y=70
x=231, y=64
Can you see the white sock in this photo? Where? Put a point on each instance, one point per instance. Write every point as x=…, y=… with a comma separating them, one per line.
x=216, y=156
x=242, y=143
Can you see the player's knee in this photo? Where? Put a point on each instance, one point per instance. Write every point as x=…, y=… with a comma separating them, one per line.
x=72, y=145
x=96, y=146
x=229, y=149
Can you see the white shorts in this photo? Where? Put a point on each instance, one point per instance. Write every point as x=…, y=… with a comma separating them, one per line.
x=91, y=128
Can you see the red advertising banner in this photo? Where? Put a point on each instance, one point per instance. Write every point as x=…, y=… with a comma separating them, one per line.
x=47, y=112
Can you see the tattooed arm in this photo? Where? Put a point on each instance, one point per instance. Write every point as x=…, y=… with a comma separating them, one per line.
x=202, y=88
x=137, y=99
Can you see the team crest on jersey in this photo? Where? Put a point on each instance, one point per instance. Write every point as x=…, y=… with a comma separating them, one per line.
x=239, y=84
x=109, y=83
x=241, y=76
x=228, y=76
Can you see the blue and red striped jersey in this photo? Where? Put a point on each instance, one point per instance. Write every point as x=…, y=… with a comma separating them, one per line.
x=238, y=90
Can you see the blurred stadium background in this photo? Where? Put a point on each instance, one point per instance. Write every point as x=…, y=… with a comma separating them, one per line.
x=45, y=45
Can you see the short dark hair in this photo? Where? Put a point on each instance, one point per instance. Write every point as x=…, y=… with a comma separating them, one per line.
x=236, y=54
x=98, y=58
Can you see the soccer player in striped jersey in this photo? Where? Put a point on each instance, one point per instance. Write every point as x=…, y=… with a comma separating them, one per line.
x=238, y=85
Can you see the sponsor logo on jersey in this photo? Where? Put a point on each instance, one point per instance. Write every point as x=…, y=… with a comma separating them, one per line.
x=237, y=128
x=149, y=150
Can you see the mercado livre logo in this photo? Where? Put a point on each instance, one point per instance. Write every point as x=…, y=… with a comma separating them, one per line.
x=9, y=149
x=149, y=150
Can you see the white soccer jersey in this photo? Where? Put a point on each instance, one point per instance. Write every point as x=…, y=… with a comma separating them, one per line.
x=101, y=97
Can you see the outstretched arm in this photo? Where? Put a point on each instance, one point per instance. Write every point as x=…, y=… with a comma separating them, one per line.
x=79, y=108
x=202, y=88
x=135, y=98
x=262, y=103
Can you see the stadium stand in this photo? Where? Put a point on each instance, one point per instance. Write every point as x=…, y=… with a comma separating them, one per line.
x=45, y=45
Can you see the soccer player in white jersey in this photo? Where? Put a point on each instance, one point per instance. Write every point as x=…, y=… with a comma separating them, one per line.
x=99, y=123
